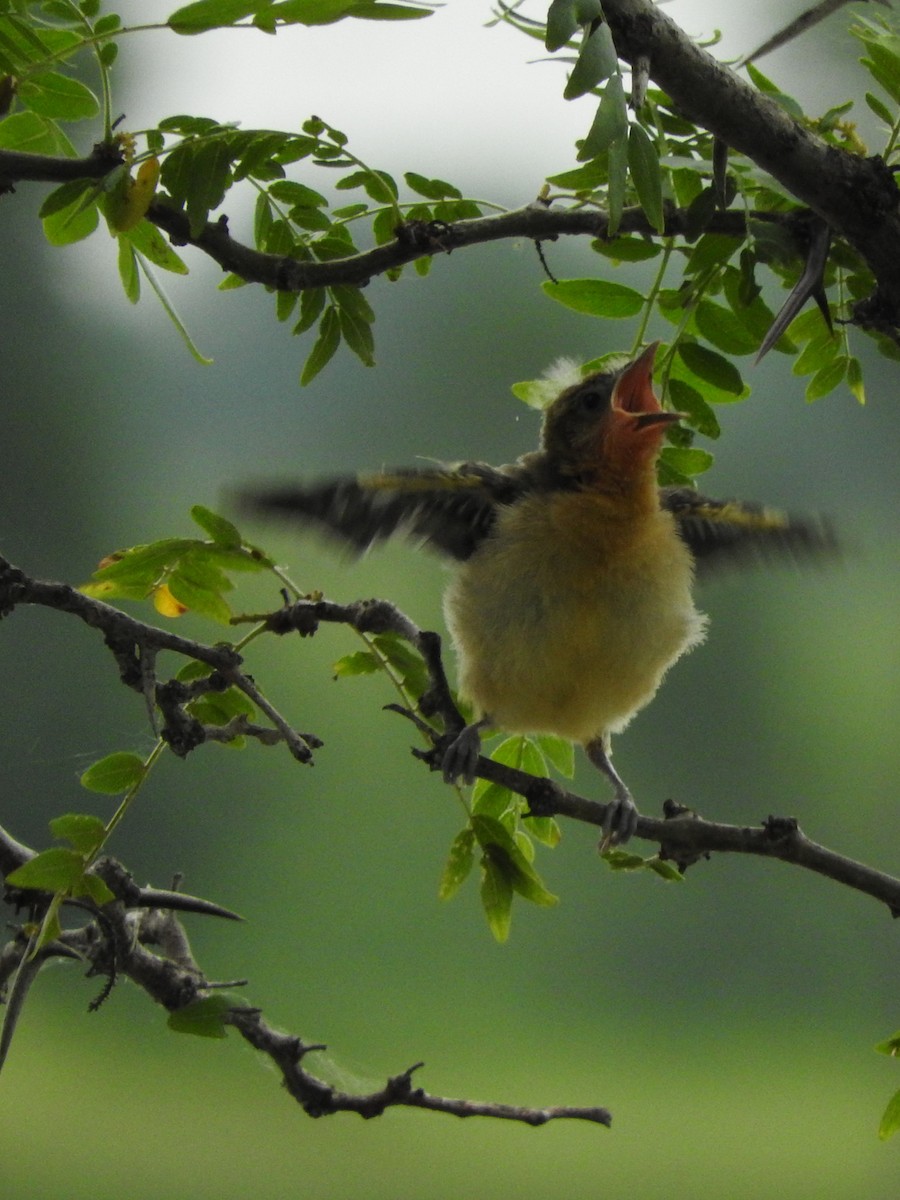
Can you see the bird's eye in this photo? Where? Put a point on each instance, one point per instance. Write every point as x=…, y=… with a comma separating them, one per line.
x=591, y=400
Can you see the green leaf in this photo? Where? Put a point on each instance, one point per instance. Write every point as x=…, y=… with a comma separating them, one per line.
x=312, y=301
x=213, y=14
x=496, y=896
x=218, y=708
x=564, y=17
x=118, y=772
x=643, y=163
x=688, y=400
x=712, y=250
x=819, y=352
x=627, y=249
x=890, y=1121
x=560, y=751
x=664, y=869
x=855, y=380
x=585, y=178
x=610, y=121
x=70, y=212
x=222, y=532
x=501, y=848
x=880, y=109
x=459, y=864
x=597, y=59
x=404, y=661
x=883, y=65
x=623, y=860
x=147, y=240
x=360, y=662
x=431, y=189
x=325, y=345
x=724, y=328
x=358, y=337
x=827, y=379
x=378, y=10
x=617, y=160
x=58, y=96
x=562, y=22
x=712, y=368
x=93, y=886
x=298, y=195
x=55, y=870
x=285, y=303
x=128, y=270
x=210, y=180
x=521, y=751
x=189, y=587
x=135, y=570
x=686, y=460
x=788, y=103
x=596, y=297
x=203, y=1018
x=545, y=830
x=493, y=799
x=83, y=830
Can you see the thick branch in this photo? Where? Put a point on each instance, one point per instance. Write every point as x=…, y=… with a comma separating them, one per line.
x=536, y=221
x=49, y=168
x=415, y=240
x=857, y=197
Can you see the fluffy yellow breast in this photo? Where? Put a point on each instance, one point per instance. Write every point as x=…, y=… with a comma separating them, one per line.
x=567, y=617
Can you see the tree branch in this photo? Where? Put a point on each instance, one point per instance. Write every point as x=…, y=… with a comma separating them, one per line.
x=858, y=197
x=538, y=221
x=16, y=166
x=135, y=645
x=117, y=941
x=682, y=835
x=418, y=239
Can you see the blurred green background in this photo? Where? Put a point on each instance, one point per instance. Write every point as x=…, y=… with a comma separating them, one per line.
x=728, y=1022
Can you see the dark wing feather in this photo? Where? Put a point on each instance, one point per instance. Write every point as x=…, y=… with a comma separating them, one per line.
x=451, y=509
x=720, y=532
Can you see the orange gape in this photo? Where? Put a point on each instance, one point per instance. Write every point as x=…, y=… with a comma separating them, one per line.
x=573, y=593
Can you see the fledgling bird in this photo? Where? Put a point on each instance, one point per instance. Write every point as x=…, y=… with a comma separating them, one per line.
x=572, y=594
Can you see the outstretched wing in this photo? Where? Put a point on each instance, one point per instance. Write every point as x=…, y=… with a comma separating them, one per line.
x=720, y=532
x=451, y=509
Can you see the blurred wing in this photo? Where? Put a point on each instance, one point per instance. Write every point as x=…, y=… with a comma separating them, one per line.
x=451, y=509
x=722, y=532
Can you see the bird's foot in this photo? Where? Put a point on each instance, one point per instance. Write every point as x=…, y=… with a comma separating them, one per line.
x=621, y=817
x=461, y=756
x=620, y=821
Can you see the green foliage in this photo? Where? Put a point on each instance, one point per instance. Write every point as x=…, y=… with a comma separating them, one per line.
x=651, y=160
x=65, y=871
x=190, y=571
x=204, y=1017
x=890, y=1121
x=116, y=773
x=270, y=16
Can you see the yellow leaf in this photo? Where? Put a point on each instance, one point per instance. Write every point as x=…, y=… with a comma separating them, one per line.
x=166, y=604
x=126, y=205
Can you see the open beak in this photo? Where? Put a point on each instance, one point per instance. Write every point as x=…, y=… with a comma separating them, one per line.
x=633, y=393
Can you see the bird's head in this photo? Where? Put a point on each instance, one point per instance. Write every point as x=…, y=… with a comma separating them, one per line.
x=609, y=425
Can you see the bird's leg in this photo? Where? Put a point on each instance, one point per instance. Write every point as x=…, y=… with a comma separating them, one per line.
x=461, y=756
x=621, y=817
